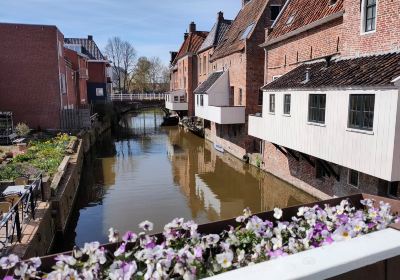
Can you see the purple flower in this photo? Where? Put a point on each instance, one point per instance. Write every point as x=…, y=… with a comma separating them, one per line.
x=129, y=237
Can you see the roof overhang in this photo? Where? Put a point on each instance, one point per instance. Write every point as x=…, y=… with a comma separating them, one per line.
x=332, y=88
x=303, y=29
x=178, y=92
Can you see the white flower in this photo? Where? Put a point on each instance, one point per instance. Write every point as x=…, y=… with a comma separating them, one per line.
x=9, y=261
x=225, y=259
x=113, y=235
x=341, y=234
x=278, y=213
x=146, y=225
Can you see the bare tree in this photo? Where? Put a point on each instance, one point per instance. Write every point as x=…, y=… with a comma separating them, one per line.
x=123, y=57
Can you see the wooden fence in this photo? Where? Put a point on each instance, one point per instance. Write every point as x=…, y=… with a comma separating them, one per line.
x=75, y=119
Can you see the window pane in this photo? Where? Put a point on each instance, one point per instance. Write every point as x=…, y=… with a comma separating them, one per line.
x=361, y=111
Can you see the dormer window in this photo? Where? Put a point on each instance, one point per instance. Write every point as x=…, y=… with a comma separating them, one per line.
x=274, y=10
x=369, y=15
x=290, y=20
x=247, y=32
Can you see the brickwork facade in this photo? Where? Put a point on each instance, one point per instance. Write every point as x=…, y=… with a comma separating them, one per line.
x=385, y=38
x=31, y=70
x=318, y=42
x=342, y=36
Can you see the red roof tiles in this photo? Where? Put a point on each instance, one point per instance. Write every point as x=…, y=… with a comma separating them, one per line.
x=248, y=15
x=191, y=44
x=376, y=70
x=302, y=13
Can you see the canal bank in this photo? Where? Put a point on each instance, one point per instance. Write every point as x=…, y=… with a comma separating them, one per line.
x=58, y=194
x=148, y=172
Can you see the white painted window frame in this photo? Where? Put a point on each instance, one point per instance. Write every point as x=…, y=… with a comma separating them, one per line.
x=364, y=15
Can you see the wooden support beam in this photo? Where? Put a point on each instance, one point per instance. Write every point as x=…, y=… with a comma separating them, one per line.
x=280, y=149
x=293, y=154
x=331, y=170
x=307, y=158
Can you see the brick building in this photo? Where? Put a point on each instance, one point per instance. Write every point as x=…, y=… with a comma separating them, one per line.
x=329, y=85
x=232, y=92
x=183, y=72
x=33, y=74
x=78, y=62
x=99, y=83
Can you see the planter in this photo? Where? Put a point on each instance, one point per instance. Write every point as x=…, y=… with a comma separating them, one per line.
x=374, y=255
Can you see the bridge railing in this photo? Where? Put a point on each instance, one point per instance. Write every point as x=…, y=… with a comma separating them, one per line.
x=137, y=96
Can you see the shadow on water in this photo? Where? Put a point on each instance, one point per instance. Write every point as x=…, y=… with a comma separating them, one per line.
x=147, y=172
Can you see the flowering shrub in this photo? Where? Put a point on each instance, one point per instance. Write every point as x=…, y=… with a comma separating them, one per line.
x=184, y=253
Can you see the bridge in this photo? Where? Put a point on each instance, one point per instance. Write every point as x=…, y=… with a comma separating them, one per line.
x=131, y=97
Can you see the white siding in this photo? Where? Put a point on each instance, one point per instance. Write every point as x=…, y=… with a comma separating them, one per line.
x=368, y=152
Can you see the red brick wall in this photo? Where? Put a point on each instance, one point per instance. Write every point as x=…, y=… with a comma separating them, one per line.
x=29, y=74
x=80, y=65
x=313, y=44
x=70, y=100
x=288, y=167
x=204, y=72
x=387, y=35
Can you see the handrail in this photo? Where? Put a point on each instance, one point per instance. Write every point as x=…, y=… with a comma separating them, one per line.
x=20, y=214
x=137, y=96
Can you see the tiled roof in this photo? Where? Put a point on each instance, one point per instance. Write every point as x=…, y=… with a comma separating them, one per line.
x=377, y=70
x=191, y=44
x=232, y=42
x=216, y=34
x=302, y=13
x=89, y=45
x=207, y=84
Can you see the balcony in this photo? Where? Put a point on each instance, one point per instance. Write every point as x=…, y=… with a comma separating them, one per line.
x=222, y=114
x=176, y=101
x=256, y=126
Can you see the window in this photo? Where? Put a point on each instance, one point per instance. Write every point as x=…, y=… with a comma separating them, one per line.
x=204, y=65
x=369, y=15
x=353, y=178
x=63, y=85
x=361, y=111
x=260, y=97
x=393, y=189
x=99, y=92
x=290, y=20
x=240, y=97
x=286, y=104
x=182, y=99
x=274, y=11
x=201, y=100
x=316, y=108
x=197, y=99
x=276, y=77
x=247, y=31
x=176, y=98
x=272, y=103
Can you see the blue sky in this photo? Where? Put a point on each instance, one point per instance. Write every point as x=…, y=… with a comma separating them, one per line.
x=154, y=27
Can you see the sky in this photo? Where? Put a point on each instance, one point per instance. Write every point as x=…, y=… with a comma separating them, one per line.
x=154, y=27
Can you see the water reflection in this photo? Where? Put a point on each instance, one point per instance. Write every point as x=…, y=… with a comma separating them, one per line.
x=148, y=172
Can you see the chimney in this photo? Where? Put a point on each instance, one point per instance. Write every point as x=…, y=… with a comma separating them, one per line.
x=192, y=27
x=173, y=55
x=328, y=61
x=220, y=16
x=244, y=2
x=308, y=74
x=90, y=37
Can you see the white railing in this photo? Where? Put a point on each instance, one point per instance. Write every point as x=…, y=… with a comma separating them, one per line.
x=138, y=96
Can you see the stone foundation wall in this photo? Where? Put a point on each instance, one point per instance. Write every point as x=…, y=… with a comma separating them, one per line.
x=301, y=174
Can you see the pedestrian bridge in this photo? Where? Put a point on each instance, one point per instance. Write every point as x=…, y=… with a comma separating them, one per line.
x=128, y=97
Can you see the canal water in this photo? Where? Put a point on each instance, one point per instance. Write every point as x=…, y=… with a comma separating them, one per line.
x=149, y=172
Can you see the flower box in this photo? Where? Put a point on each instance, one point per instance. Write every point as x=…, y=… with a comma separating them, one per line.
x=373, y=254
